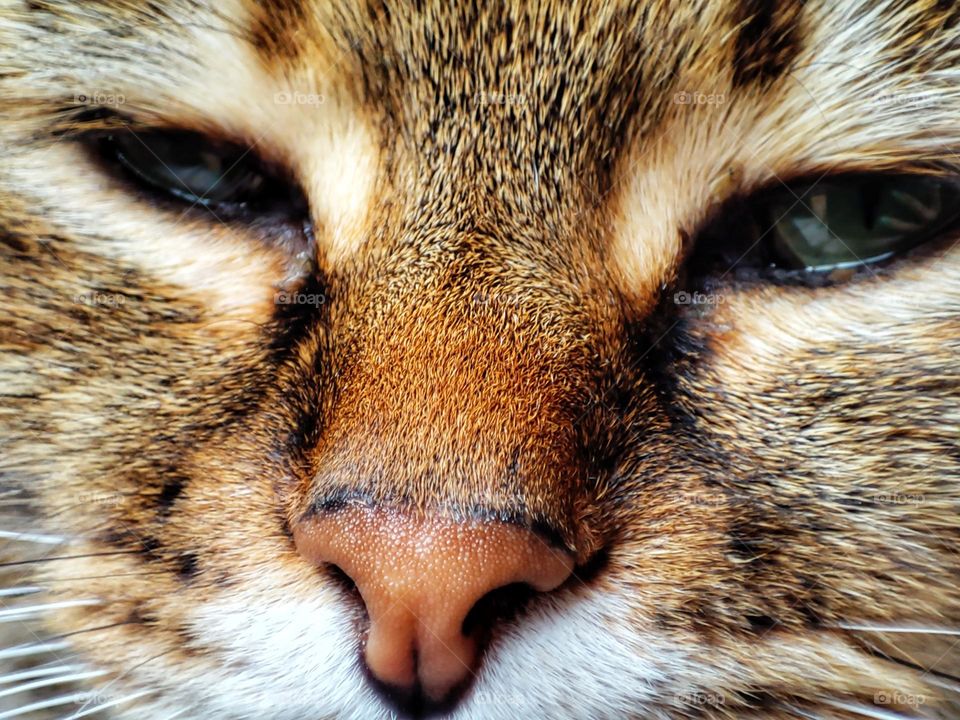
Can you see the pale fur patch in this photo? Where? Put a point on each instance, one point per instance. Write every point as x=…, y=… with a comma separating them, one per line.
x=844, y=108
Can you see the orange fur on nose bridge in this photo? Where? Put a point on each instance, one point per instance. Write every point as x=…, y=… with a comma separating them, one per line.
x=445, y=407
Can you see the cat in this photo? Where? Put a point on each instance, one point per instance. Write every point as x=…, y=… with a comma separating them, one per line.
x=479, y=360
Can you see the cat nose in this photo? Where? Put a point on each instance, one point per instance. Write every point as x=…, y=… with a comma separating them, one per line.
x=419, y=577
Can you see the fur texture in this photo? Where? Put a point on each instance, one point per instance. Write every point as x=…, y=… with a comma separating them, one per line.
x=761, y=493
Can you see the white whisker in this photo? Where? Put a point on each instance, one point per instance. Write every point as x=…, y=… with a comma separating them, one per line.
x=175, y=715
x=78, y=697
x=931, y=679
x=18, y=591
x=863, y=711
x=123, y=675
x=802, y=713
x=32, y=537
x=103, y=706
x=21, y=618
x=34, y=649
x=45, y=682
x=36, y=672
x=47, y=607
x=907, y=629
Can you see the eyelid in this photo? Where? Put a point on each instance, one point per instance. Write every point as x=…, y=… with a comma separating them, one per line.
x=736, y=239
x=267, y=191
x=82, y=123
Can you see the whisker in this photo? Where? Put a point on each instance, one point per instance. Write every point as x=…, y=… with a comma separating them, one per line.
x=103, y=706
x=873, y=649
x=863, y=711
x=11, y=614
x=125, y=673
x=108, y=577
x=32, y=537
x=46, y=682
x=36, y=672
x=801, y=713
x=68, y=557
x=18, y=591
x=917, y=630
x=32, y=649
x=99, y=627
x=176, y=714
x=947, y=682
x=75, y=698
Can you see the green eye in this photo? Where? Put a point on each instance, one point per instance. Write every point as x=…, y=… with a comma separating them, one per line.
x=192, y=168
x=845, y=222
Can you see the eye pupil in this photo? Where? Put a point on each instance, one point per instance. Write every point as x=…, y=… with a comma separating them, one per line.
x=870, y=195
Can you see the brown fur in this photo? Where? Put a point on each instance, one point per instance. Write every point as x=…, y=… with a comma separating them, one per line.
x=496, y=337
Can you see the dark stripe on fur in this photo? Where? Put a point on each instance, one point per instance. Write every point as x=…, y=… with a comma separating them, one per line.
x=769, y=40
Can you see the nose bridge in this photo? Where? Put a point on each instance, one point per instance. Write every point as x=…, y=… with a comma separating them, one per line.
x=457, y=397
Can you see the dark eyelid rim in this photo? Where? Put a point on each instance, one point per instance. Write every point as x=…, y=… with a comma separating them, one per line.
x=745, y=203
x=89, y=124
x=801, y=184
x=93, y=128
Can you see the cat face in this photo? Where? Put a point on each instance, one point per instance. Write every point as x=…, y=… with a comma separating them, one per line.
x=370, y=359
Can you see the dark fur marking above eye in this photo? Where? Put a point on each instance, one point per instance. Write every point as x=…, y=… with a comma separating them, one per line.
x=768, y=42
x=171, y=490
x=187, y=565
x=149, y=545
x=761, y=623
x=276, y=32
x=139, y=616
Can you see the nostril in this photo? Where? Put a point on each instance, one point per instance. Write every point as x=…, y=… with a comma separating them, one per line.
x=341, y=578
x=497, y=606
x=433, y=587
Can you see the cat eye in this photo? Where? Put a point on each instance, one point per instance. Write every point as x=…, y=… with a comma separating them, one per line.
x=845, y=222
x=192, y=168
x=820, y=232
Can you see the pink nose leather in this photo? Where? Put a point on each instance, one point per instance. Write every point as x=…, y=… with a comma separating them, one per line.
x=419, y=578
